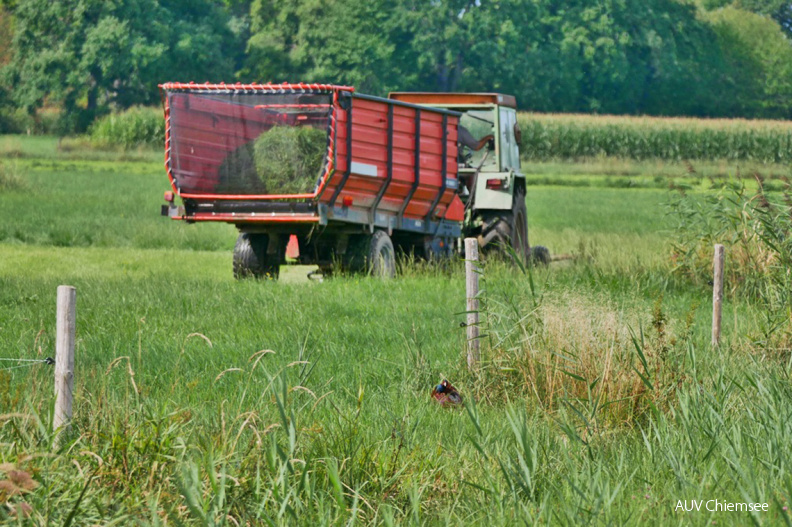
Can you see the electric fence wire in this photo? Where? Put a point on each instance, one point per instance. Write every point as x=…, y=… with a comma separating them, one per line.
x=29, y=362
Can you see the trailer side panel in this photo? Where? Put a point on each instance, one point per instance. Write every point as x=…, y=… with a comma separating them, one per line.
x=411, y=145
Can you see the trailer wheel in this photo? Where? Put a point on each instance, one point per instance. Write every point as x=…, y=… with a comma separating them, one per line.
x=507, y=228
x=251, y=259
x=381, y=260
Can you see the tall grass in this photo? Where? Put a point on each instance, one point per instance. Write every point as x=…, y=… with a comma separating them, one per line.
x=576, y=137
x=10, y=179
x=581, y=354
x=133, y=128
x=756, y=229
x=175, y=429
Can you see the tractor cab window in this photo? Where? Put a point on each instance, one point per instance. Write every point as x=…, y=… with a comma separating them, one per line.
x=509, y=149
x=477, y=139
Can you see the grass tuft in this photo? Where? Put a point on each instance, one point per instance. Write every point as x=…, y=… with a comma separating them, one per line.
x=10, y=178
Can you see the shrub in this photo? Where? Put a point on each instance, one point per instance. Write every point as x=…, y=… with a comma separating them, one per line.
x=134, y=128
x=14, y=121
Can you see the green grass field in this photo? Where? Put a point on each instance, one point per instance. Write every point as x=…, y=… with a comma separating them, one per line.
x=205, y=401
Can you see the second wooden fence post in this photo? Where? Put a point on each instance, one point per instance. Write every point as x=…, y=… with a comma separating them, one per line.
x=66, y=321
x=717, y=293
x=472, y=307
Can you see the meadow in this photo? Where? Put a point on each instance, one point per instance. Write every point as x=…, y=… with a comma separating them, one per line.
x=205, y=401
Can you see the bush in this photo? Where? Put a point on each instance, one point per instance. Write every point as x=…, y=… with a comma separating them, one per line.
x=574, y=137
x=13, y=121
x=134, y=128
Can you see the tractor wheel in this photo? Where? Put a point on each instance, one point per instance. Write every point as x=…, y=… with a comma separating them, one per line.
x=381, y=259
x=251, y=259
x=507, y=228
x=540, y=255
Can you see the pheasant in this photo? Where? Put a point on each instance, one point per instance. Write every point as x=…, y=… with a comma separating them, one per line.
x=445, y=394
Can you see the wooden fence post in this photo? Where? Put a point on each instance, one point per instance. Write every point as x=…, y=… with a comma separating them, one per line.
x=717, y=293
x=64, y=356
x=472, y=288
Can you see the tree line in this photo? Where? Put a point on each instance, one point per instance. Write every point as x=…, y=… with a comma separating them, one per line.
x=707, y=58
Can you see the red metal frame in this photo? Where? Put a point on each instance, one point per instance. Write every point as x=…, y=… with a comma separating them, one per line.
x=265, y=106
x=266, y=88
x=249, y=218
x=291, y=88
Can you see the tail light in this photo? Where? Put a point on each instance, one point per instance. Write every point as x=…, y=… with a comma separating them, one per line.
x=495, y=184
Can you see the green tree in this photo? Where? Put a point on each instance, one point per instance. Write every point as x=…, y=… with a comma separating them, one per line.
x=442, y=34
x=274, y=27
x=6, y=36
x=779, y=10
x=614, y=56
x=88, y=55
x=355, y=42
x=759, y=58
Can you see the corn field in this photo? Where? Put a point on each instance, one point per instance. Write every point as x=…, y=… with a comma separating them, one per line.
x=575, y=137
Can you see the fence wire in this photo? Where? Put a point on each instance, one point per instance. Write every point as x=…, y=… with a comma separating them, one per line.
x=28, y=363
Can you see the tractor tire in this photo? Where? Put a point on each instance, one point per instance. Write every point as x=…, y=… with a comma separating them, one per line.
x=381, y=259
x=540, y=255
x=504, y=229
x=251, y=259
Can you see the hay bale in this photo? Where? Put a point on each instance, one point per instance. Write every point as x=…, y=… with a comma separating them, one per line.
x=288, y=158
x=238, y=174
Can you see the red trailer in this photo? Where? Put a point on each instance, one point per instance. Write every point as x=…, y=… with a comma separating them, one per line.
x=354, y=177
x=387, y=172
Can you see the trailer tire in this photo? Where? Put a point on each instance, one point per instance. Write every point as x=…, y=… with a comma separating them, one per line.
x=381, y=259
x=507, y=229
x=251, y=259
